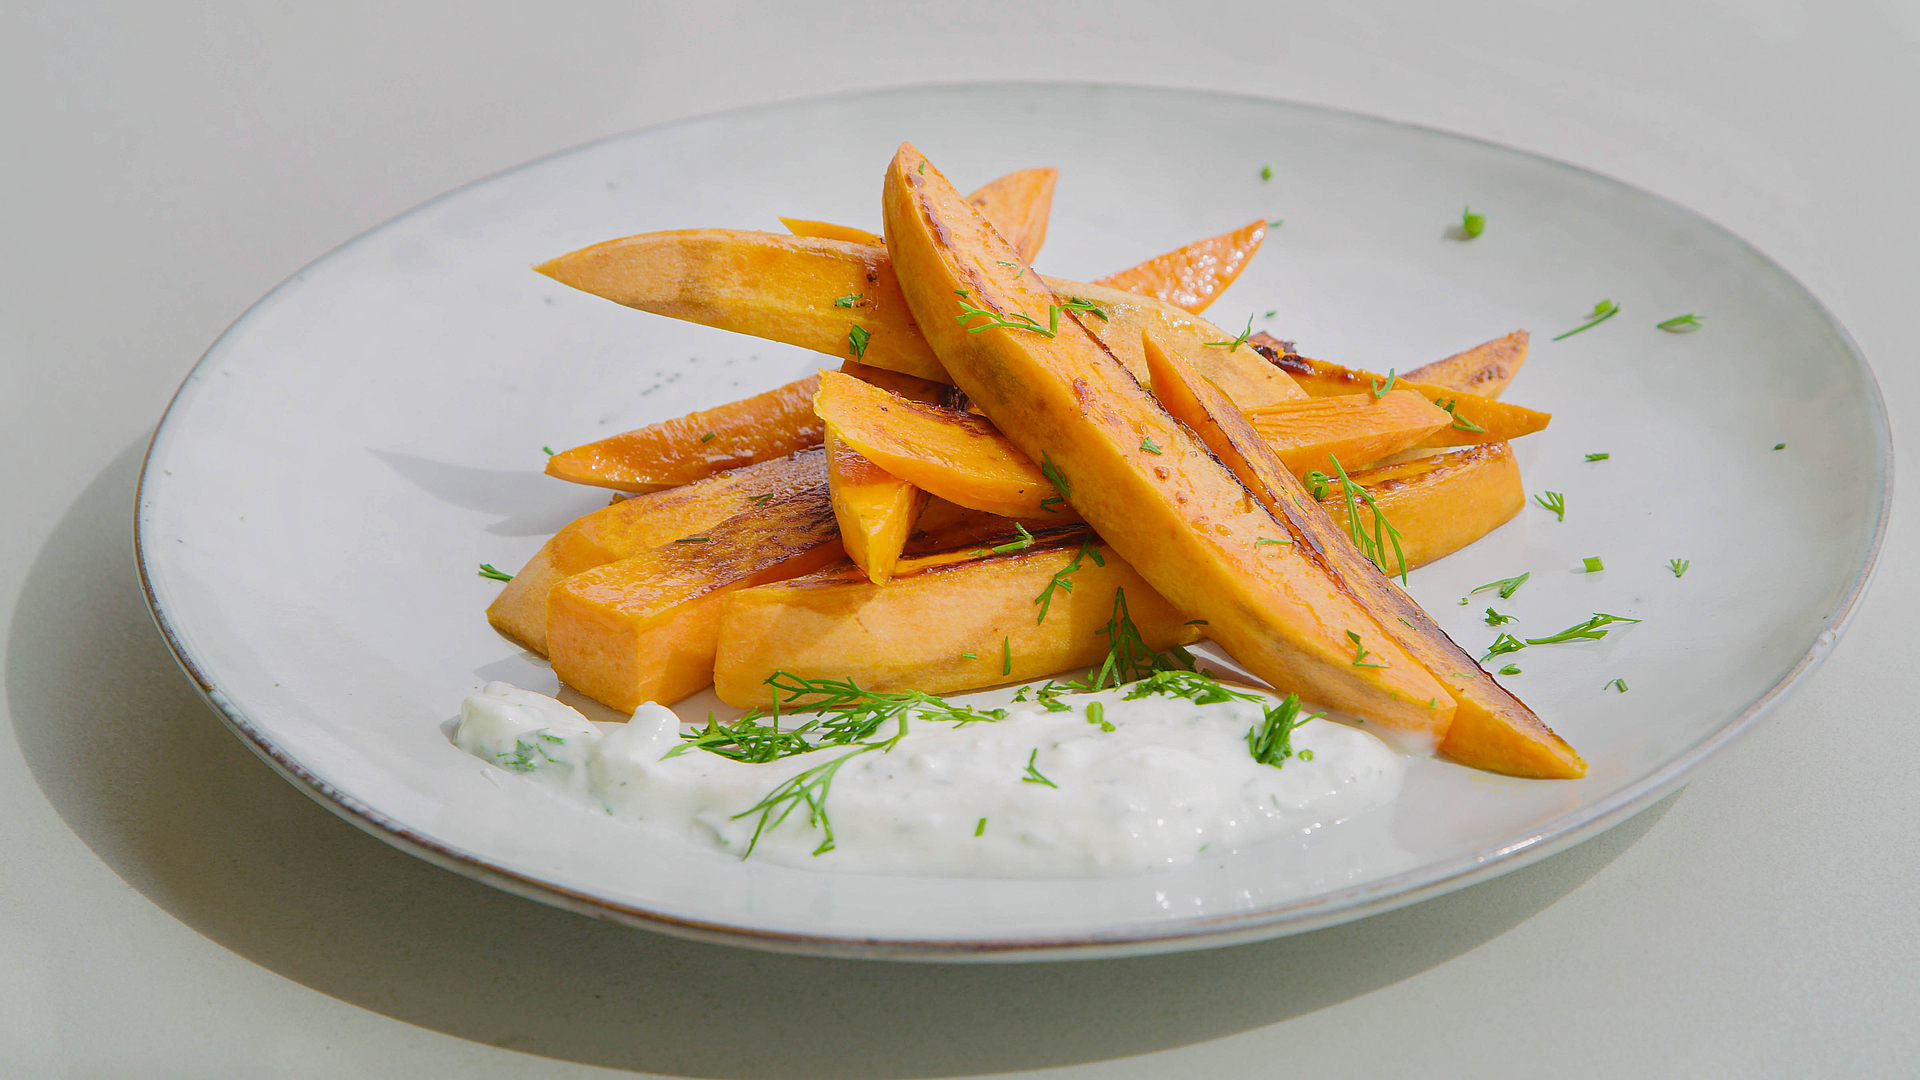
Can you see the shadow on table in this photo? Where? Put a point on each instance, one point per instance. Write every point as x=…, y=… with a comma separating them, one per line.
x=143, y=772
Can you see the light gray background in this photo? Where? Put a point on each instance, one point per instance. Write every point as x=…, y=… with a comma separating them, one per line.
x=168, y=907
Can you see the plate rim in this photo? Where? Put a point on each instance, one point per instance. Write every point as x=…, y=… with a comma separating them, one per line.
x=1296, y=916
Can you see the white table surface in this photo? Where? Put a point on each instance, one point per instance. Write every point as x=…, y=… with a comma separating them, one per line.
x=169, y=907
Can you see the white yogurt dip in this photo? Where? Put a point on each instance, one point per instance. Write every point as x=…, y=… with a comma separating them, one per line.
x=1038, y=794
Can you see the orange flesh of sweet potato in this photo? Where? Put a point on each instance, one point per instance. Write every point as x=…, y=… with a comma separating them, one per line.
x=693, y=447
x=954, y=455
x=1497, y=421
x=875, y=509
x=827, y=230
x=784, y=288
x=1497, y=732
x=914, y=631
x=1179, y=517
x=1193, y=276
x=1439, y=503
x=1356, y=428
x=1018, y=206
x=1485, y=369
x=640, y=524
x=645, y=628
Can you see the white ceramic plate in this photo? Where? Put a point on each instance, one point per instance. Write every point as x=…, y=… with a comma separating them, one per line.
x=320, y=491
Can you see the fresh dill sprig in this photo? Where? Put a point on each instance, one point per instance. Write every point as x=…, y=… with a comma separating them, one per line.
x=1380, y=391
x=857, y=342
x=1075, y=303
x=1555, y=502
x=1270, y=540
x=1150, y=446
x=1062, y=578
x=1271, y=740
x=1471, y=223
x=1598, y=457
x=1679, y=567
x=1373, y=546
x=809, y=787
x=1360, y=652
x=1199, y=687
x=1022, y=544
x=1494, y=618
x=762, y=500
x=1507, y=586
x=1681, y=324
x=1236, y=342
x=1015, y=321
x=1602, y=311
x=1591, y=630
x=1034, y=775
x=1019, y=271
x=1129, y=658
x=1505, y=643
x=1055, y=477
x=487, y=570
x=1452, y=405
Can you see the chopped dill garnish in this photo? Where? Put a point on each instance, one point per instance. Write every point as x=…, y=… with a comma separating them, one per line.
x=1047, y=504
x=1555, y=502
x=1373, y=546
x=762, y=500
x=857, y=342
x=809, y=787
x=487, y=570
x=848, y=300
x=1380, y=391
x=1679, y=567
x=1471, y=223
x=1592, y=564
x=1681, y=324
x=1510, y=669
x=1055, y=477
x=1591, y=630
x=981, y=828
x=1494, y=618
x=1452, y=405
x=709, y=436
x=1616, y=684
x=1129, y=659
x=1317, y=484
x=1022, y=544
x=1503, y=644
x=1360, y=652
x=1062, y=578
x=1075, y=303
x=1236, y=342
x=694, y=540
x=1602, y=311
x=1271, y=740
x=548, y=449
x=1266, y=172
x=1150, y=446
x=1199, y=687
x=1779, y=446
x=1033, y=775
x=1598, y=457
x=1016, y=321
x=1006, y=655
x=1097, y=715
x=1270, y=540
x=1507, y=586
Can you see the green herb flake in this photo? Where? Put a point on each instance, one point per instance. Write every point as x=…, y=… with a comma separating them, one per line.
x=1452, y=405
x=1015, y=321
x=487, y=571
x=857, y=339
x=762, y=500
x=1317, y=484
x=1150, y=446
x=1593, y=564
x=980, y=829
x=1679, y=567
x=1510, y=669
x=1602, y=311
x=1372, y=545
x=1055, y=477
x=1681, y=324
x=1598, y=457
x=1270, y=540
x=1616, y=684
x=1195, y=622
x=1097, y=715
x=1006, y=655
x=1380, y=391
x=969, y=656
x=1062, y=579
x=1555, y=502
x=548, y=449
x=709, y=436
x=1591, y=630
x=1075, y=303
x=1270, y=314
x=1494, y=618
x=1779, y=446
x=1505, y=643
x=1033, y=775
x=1271, y=740
x=1360, y=652
x=1022, y=544
x=1471, y=223
x=1236, y=342
x=694, y=540
x=848, y=300
x=1266, y=172
x=1507, y=586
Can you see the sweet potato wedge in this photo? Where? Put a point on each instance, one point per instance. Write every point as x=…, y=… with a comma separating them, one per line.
x=827, y=230
x=1497, y=732
x=959, y=457
x=1485, y=369
x=1440, y=503
x=875, y=509
x=645, y=628
x=1476, y=419
x=640, y=524
x=816, y=293
x=1178, y=516
x=1359, y=429
x=693, y=447
x=947, y=622
x=1018, y=206
x=1191, y=277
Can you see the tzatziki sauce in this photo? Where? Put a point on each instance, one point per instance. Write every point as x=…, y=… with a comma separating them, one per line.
x=1141, y=784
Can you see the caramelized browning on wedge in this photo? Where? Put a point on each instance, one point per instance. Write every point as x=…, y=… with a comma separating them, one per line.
x=1180, y=518
x=1192, y=276
x=915, y=632
x=1474, y=419
x=874, y=508
x=698, y=445
x=1359, y=429
x=1484, y=369
x=639, y=524
x=1497, y=732
x=645, y=628
x=954, y=455
x=1440, y=503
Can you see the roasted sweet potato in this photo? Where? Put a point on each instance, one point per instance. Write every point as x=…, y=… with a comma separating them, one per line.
x=1177, y=515
x=645, y=628
x=827, y=230
x=641, y=524
x=693, y=447
x=959, y=457
x=1484, y=369
x=875, y=509
x=1476, y=419
x=1496, y=731
x=947, y=622
x=1191, y=277
x=1018, y=206
x=817, y=293
x=1358, y=429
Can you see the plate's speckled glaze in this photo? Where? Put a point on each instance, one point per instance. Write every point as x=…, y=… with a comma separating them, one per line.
x=322, y=487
